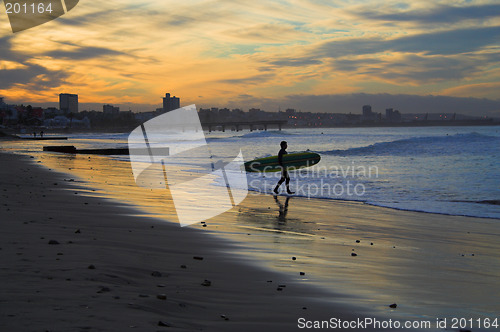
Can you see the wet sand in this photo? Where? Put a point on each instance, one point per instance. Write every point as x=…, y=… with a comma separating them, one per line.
x=71, y=262
x=357, y=259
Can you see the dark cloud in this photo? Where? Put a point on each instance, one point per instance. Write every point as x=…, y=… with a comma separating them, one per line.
x=353, y=103
x=83, y=53
x=350, y=65
x=6, y=50
x=34, y=77
x=255, y=79
x=425, y=58
x=448, y=42
x=295, y=62
x=93, y=18
x=413, y=68
x=405, y=103
x=439, y=14
x=444, y=43
x=180, y=21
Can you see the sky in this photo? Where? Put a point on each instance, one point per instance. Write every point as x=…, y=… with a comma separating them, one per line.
x=311, y=55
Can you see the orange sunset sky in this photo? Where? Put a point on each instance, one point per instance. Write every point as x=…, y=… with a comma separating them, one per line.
x=311, y=55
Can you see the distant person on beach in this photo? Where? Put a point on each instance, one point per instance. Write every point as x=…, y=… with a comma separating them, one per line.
x=34, y=134
x=284, y=173
x=41, y=133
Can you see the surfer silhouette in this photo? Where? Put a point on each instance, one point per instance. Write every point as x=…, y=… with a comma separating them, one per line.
x=284, y=173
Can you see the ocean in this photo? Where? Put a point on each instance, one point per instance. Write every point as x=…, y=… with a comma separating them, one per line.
x=445, y=170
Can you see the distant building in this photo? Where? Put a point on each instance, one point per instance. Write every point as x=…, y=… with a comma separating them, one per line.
x=145, y=116
x=367, y=111
x=370, y=116
x=224, y=113
x=256, y=114
x=170, y=103
x=392, y=116
x=68, y=102
x=238, y=114
x=3, y=105
x=110, y=109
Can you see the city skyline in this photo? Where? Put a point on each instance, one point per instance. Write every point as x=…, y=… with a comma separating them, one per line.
x=308, y=55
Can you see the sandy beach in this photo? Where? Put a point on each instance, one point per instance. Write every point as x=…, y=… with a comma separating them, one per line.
x=75, y=263
x=72, y=261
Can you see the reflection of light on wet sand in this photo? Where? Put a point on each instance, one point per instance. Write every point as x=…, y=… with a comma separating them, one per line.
x=115, y=179
x=415, y=260
x=415, y=257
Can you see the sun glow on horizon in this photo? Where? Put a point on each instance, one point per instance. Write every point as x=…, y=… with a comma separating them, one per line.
x=220, y=53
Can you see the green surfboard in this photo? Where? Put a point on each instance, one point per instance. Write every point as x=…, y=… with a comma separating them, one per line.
x=291, y=161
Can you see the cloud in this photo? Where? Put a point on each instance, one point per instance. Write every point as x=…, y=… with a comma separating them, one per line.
x=113, y=50
x=440, y=14
x=353, y=103
x=411, y=68
x=479, y=89
x=250, y=80
x=267, y=33
x=295, y=62
x=83, y=53
x=21, y=71
x=33, y=76
x=443, y=42
x=403, y=102
x=7, y=52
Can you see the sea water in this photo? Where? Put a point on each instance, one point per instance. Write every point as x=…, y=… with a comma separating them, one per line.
x=446, y=170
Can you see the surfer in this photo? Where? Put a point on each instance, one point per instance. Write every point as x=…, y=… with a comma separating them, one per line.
x=284, y=173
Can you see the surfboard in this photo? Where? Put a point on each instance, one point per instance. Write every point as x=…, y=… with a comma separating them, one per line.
x=291, y=161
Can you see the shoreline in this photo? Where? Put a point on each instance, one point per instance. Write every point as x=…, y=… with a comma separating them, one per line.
x=76, y=262
x=423, y=124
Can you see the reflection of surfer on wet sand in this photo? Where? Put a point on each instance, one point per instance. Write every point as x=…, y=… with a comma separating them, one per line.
x=283, y=209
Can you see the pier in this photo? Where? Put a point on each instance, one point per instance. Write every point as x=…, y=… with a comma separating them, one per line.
x=108, y=152
x=252, y=125
x=44, y=138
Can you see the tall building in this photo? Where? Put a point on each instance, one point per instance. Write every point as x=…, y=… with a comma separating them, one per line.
x=68, y=102
x=170, y=103
x=369, y=115
x=367, y=111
